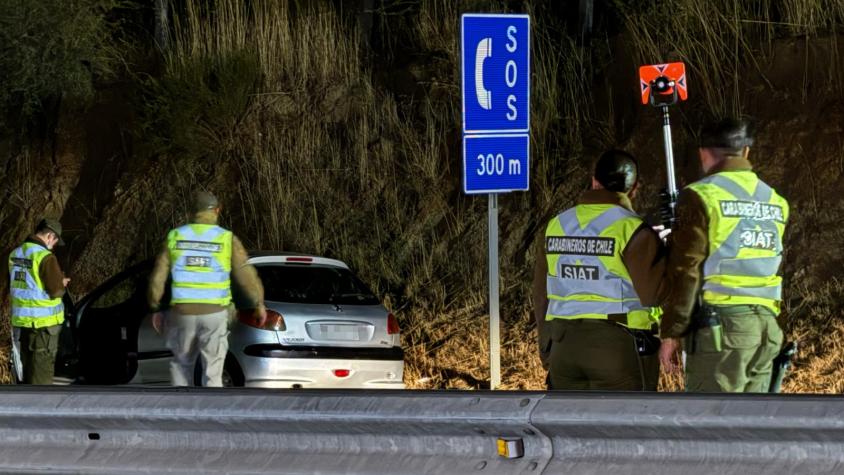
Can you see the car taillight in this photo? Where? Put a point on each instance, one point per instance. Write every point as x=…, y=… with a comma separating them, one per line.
x=392, y=325
x=275, y=321
x=341, y=373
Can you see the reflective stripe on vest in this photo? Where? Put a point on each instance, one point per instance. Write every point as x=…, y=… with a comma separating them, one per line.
x=586, y=275
x=745, y=239
x=32, y=306
x=200, y=264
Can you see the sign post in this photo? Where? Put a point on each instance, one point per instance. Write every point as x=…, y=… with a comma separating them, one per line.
x=494, y=315
x=495, y=62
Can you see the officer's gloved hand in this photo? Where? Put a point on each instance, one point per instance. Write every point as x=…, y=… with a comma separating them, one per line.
x=666, y=208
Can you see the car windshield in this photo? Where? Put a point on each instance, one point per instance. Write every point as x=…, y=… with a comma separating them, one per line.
x=314, y=284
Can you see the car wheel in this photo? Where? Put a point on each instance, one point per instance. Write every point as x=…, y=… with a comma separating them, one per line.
x=232, y=374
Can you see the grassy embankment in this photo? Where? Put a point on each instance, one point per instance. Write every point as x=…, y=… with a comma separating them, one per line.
x=333, y=161
x=319, y=144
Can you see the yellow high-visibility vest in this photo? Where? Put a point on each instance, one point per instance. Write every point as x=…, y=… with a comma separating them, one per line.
x=587, y=278
x=200, y=264
x=32, y=306
x=747, y=220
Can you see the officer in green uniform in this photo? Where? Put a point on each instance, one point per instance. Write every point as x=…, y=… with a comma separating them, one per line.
x=203, y=260
x=36, y=288
x=601, y=268
x=723, y=287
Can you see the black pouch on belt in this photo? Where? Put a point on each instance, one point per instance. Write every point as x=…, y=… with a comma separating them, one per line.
x=646, y=342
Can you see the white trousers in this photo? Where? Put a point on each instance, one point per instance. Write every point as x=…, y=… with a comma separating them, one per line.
x=189, y=336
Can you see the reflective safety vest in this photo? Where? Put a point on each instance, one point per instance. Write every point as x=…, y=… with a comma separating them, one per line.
x=32, y=306
x=200, y=264
x=586, y=275
x=747, y=220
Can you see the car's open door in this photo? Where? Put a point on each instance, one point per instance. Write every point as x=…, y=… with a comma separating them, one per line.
x=67, y=358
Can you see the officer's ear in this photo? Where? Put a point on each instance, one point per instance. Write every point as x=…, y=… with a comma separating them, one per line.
x=708, y=159
x=745, y=153
x=632, y=193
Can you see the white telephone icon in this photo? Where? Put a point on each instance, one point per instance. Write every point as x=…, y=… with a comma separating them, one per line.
x=483, y=52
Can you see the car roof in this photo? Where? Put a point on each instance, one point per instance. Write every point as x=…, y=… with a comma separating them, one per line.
x=293, y=258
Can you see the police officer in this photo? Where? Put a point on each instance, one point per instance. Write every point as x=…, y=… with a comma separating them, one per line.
x=36, y=287
x=601, y=267
x=724, y=288
x=202, y=259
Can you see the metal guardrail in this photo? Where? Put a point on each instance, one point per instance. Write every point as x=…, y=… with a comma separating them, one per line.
x=141, y=430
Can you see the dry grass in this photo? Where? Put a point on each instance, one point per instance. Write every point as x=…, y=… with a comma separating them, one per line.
x=816, y=322
x=718, y=39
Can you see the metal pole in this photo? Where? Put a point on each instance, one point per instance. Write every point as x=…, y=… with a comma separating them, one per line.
x=494, y=325
x=669, y=153
x=672, y=183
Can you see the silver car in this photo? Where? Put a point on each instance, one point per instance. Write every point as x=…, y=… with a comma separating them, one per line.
x=325, y=329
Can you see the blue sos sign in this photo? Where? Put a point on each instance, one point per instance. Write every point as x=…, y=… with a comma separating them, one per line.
x=496, y=102
x=496, y=73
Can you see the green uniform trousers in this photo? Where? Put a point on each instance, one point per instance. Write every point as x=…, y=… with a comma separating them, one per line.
x=598, y=355
x=38, y=348
x=750, y=339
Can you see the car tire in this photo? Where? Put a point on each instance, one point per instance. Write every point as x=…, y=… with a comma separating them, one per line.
x=232, y=374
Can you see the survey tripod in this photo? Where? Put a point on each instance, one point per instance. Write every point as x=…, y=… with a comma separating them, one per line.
x=664, y=94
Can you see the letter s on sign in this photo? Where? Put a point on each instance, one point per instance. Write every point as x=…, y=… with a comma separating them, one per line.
x=511, y=104
x=512, y=45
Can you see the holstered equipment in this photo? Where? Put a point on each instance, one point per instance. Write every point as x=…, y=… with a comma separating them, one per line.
x=705, y=316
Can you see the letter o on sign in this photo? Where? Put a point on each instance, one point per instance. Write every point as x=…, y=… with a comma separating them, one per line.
x=510, y=74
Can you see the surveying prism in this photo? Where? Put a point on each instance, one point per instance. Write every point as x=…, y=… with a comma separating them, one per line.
x=664, y=85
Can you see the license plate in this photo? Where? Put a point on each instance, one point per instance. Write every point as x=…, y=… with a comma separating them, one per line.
x=339, y=332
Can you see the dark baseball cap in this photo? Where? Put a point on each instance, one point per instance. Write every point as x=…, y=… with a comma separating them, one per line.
x=52, y=225
x=204, y=200
x=728, y=133
x=617, y=170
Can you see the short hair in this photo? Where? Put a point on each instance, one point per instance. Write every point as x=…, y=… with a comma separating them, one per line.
x=617, y=170
x=730, y=134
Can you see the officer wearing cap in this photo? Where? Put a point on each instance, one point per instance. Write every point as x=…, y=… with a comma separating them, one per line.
x=599, y=271
x=203, y=261
x=36, y=287
x=724, y=290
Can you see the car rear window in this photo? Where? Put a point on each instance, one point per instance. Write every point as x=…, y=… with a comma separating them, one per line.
x=314, y=284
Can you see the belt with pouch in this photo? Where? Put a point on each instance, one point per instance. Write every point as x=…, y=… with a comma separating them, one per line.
x=708, y=316
x=647, y=342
